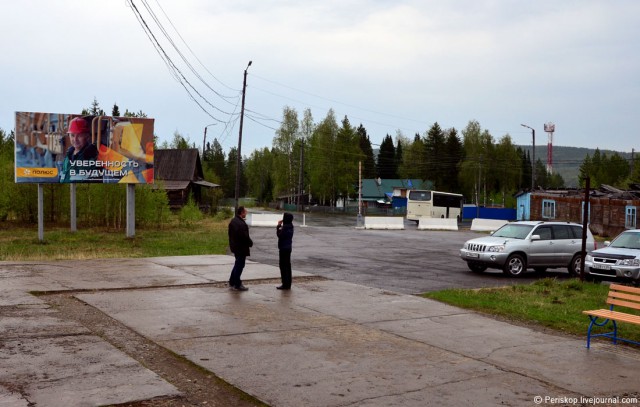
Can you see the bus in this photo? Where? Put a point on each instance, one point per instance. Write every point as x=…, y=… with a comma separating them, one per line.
x=422, y=204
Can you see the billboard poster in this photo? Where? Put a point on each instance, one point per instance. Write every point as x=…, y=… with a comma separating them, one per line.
x=70, y=148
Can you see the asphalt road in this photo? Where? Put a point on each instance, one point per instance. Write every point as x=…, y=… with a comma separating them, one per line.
x=409, y=261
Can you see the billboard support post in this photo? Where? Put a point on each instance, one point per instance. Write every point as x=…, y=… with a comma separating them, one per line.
x=131, y=210
x=40, y=212
x=72, y=209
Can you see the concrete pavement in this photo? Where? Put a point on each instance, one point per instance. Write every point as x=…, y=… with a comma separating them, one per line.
x=324, y=343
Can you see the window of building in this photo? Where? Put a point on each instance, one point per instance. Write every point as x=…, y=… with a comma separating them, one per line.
x=630, y=217
x=588, y=213
x=548, y=209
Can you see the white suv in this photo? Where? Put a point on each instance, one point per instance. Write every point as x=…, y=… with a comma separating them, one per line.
x=619, y=260
x=517, y=246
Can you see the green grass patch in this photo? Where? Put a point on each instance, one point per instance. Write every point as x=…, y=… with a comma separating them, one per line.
x=549, y=303
x=207, y=236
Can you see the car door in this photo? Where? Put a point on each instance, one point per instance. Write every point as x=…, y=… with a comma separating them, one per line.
x=541, y=251
x=564, y=244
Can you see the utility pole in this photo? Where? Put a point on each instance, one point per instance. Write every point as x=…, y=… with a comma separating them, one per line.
x=533, y=156
x=204, y=140
x=239, y=157
x=301, y=177
x=359, y=220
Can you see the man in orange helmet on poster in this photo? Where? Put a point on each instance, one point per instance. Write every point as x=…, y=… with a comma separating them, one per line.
x=79, y=161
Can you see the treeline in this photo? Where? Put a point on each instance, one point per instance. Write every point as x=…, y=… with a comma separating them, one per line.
x=612, y=170
x=322, y=158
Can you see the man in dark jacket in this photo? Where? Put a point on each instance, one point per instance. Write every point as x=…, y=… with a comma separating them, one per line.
x=284, y=230
x=239, y=243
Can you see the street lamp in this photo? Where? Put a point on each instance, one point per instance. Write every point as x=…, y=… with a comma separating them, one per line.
x=238, y=158
x=533, y=156
x=204, y=140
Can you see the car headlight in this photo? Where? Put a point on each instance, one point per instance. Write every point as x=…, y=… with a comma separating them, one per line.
x=496, y=249
x=588, y=257
x=630, y=262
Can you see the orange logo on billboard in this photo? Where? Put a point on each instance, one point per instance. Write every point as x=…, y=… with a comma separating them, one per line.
x=22, y=172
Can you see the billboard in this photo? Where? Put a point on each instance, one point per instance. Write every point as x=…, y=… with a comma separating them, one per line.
x=70, y=148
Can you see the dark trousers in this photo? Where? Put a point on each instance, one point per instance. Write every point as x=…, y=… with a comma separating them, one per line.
x=285, y=268
x=236, y=272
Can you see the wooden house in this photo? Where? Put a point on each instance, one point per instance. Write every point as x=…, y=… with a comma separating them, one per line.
x=179, y=173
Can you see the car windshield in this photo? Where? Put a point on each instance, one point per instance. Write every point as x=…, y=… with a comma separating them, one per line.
x=513, y=231
x=627, y=240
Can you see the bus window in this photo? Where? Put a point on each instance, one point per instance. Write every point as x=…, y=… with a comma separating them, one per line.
x=419, y=196
x=433, y=204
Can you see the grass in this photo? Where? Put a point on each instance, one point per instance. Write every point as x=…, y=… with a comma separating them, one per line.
x=549, y=303
x=204, y=237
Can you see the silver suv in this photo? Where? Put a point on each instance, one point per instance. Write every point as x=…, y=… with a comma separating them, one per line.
x=620, y=259
x=517, y=246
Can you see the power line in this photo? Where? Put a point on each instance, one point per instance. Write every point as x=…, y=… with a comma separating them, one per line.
x=173, y=68
x=184, y=59
x=192, y=53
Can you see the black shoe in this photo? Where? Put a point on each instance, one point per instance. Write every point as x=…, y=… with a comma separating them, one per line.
x=240, y=288
x=281, y=287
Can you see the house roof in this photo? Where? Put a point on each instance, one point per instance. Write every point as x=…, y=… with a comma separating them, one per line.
x=603, y=191
x=172, y=185
x=177, y=165
x=176, y=168
x=374, y=189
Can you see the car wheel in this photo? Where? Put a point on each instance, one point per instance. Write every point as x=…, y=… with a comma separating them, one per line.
x=515, y=265
x=540, y=270
x=476, y=268
x=575, y=265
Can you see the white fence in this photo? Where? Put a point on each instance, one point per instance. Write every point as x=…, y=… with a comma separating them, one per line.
x=487, y=225
x=438, y=224
x=384, y=222
x=263, y=219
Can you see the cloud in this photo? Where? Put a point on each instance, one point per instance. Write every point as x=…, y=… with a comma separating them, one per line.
x=388, y=65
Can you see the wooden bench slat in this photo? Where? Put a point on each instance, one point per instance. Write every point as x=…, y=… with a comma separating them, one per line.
x=618, y=316
x=622, y=303
x=625, y=295
x=626, y=288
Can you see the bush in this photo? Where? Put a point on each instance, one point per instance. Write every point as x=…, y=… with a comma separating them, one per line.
x=223, y=213
x=152, y=206
x=190, y=213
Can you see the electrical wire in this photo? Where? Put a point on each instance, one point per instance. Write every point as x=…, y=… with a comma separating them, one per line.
x=192, y=53
x=172, y=67
x=184, y=59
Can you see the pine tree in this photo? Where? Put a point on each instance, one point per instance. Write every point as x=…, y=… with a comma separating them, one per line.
x=369, y=162
x=386, y=165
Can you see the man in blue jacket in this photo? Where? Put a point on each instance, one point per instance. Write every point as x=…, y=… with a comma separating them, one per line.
x=284, y=230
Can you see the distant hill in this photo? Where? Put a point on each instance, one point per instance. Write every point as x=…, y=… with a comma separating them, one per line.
x=567, y=160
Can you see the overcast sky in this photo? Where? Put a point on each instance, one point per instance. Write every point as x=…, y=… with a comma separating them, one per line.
x=389, y=65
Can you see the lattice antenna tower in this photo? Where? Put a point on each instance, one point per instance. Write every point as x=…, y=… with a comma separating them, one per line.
x=550, y=128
